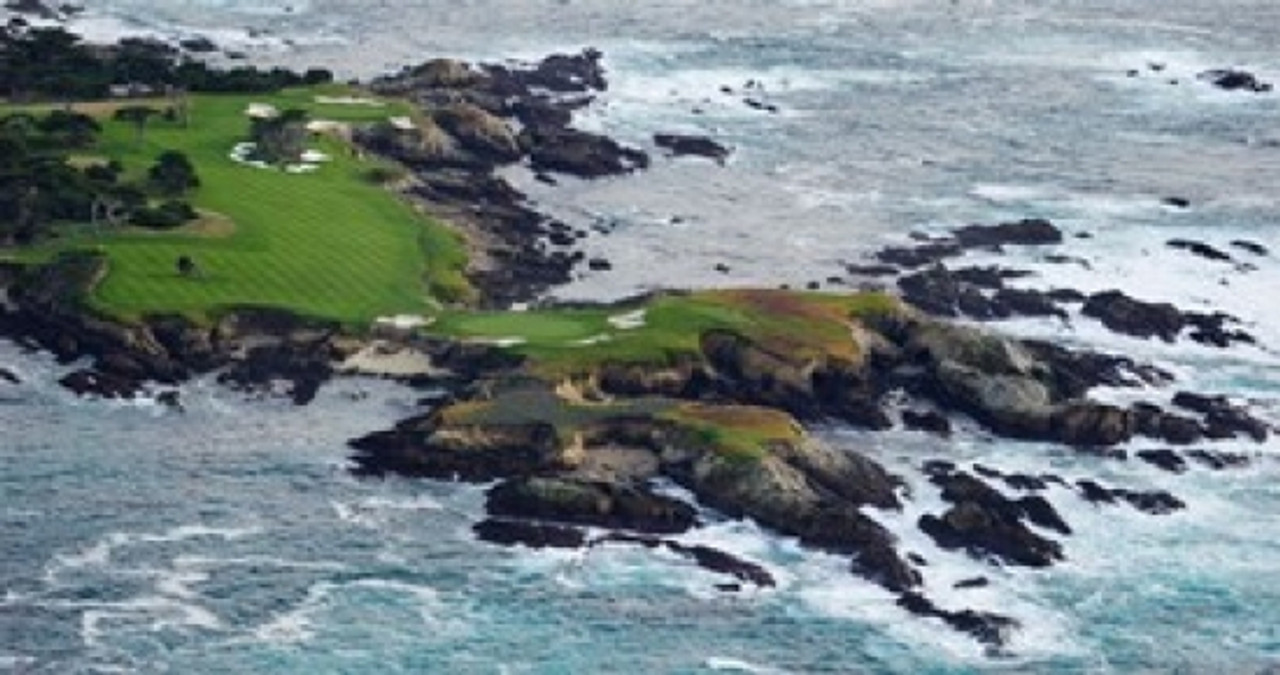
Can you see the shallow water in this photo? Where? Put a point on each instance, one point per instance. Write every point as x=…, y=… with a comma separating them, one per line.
x=231, y=538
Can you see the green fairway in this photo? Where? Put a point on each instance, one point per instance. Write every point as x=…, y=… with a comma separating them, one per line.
x=669, y=327
x=327, y=244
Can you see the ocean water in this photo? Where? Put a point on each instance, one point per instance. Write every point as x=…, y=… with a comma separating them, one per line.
x=230, y=538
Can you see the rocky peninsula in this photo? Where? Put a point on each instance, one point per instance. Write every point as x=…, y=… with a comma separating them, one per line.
x=581, y=419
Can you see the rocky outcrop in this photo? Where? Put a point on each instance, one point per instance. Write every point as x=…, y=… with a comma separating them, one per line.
x=579, y=153
x=595, y=503
x=986, y=523
x=1235, y=80
x=698, y=146
x=706, y=557
x=468, y=132
x=1154, y=502
x=988, y=628
x=1130, y=316
x=431, y=448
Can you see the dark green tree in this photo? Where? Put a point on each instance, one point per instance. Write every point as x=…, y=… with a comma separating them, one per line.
x=173, y=174
x=69, y=129
x=138, y=116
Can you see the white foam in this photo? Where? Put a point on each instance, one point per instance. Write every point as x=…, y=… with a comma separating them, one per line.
x=732, y=665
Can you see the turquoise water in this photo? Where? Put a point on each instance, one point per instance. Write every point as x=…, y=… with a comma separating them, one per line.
x=231, y=538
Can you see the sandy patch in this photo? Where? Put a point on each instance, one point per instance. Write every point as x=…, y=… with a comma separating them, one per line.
x=350, y=100
x=628, y=321
x=384, y=359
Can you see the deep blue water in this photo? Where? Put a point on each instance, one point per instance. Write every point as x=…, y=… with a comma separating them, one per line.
x=232, y=539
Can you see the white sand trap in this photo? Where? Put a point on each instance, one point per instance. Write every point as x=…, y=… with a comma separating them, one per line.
x=402, y=123
x=262, y=111
x=502, y=343
x=314, y=157
x=301, y=168
x=384, y=359
x=403, y=321
x=593, y=340
x=628, y=321
x=349, y=100
x=325, y=126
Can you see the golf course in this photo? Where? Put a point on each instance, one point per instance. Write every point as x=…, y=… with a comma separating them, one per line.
x=329, y=243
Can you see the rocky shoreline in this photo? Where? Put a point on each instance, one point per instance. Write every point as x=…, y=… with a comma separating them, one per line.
x=632, y=426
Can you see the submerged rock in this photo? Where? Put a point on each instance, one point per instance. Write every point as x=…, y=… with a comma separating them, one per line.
x=988, y=628
x=1123, y=314
x=534, y=535
x=698, y=146
x=1235, y=80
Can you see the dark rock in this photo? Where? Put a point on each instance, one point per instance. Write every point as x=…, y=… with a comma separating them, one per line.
x=590, y=503
x=1123, y=314
x=987, y=628
x=424, y=447
x=1093, y=424
x=1027, y=232
x=1075, y=372
x=871, y=270
x=755, y=104
x=938, y=467
x=1164, y=459
x=706, y=557
x=198, y=45
x=89, y=382
x=35, y=8
x=1020, y=302
x=1039, y=511
x=938, y=292
x=975, y=582
x=927, y=420
x=1199, y=248
x=1235, y=80
x=983, y=521
x=579, y=153
x=302, y=367
x=533, y=535
x=1176, y=202
x=1212, y=330
x=992, y=278
x=1250, y=246
x=1065, y=295
x=1222, y=418
x=984, y=532
x=1093, y=492
x=1218, y=460
x=7, y=375
x=1154, y=502
x=698, y=146
x=918, y=256
x=599, y=265
x=1178, y=430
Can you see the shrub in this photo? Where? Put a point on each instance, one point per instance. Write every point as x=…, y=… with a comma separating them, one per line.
x=166, y=216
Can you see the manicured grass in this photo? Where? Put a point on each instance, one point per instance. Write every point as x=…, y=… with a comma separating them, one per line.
x=327, y=244
x=738, y=433
x=670, y=327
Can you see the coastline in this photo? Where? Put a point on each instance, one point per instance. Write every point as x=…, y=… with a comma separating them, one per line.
x=306, y=354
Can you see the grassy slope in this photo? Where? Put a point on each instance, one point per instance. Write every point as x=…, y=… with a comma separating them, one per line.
x=571, y=341
x=327, y=244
